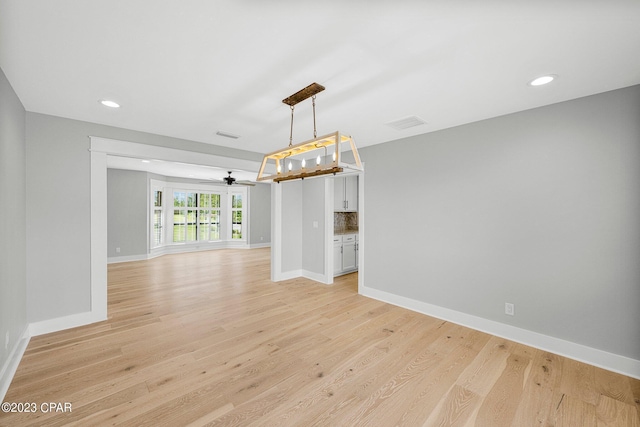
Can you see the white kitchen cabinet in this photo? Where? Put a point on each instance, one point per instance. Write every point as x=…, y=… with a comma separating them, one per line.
x=346, y=193
x=337, y=255
x=357, y=250
x=351, y=192
x=349, y=256
x=345, y=254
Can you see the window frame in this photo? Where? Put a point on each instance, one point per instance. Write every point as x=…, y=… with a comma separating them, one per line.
x=234, y=210
x=157, y=243
x=225, y=214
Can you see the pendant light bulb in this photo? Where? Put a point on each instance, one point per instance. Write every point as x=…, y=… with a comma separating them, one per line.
x=279, y=169
x=334, y=156
x=318, y=161
x=304, y=163
x=290, y=166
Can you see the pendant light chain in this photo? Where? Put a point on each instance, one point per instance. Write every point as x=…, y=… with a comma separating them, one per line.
x=313, y=102
x=291, y=131
x=315, y=132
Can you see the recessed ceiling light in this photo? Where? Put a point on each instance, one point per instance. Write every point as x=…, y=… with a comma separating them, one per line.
x=543, y=80
x=108, y=103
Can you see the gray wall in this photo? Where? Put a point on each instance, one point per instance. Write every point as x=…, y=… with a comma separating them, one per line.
x=127, y=213
x=313, y=239
x=13, y=283
x=539, y=208
x=58, y=208
x=291, y=225
x=302, y=245
x=260, y=214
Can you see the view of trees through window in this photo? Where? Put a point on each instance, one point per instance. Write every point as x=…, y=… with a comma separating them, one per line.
x=236, y=216
x=184, y=215
x=196, y=216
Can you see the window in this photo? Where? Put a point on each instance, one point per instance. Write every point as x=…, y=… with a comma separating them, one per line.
x=158, y=217
x=196, y=217
x=236, y=216
x=185, y=216
x=195, y=213
x=179, y=216
x=209, y=217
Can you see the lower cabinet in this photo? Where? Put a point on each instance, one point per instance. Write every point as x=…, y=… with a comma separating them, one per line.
x=337, y=255
x=345, y=254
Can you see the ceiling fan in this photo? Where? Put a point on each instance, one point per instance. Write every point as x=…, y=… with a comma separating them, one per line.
x=229, y=180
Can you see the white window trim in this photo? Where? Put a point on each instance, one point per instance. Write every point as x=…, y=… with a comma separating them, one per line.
x=154, y=186
x=226, y=193
x=245, y=213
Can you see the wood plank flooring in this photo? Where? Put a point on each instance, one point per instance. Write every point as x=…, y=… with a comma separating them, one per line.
x=205, y=339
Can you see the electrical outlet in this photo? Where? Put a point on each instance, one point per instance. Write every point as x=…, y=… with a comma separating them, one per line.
x=509, y=309
x=117, y=250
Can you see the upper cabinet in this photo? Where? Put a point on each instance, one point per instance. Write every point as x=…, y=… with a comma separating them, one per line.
x=346, y=194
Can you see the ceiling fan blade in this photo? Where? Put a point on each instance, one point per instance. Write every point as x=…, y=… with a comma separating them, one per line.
x=228, y=180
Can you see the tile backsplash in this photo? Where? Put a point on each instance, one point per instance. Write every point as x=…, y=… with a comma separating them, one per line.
x=344, y=222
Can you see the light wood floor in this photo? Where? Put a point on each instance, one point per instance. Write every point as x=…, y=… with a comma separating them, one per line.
x=207, y=339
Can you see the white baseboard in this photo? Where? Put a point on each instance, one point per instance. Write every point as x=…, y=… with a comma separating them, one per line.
x=259, y=245
x=11, y=364
x=287, y=275
x=62, y=323
x=179, y=249
x=602, y=359
x=317, y=277
x=127, y=258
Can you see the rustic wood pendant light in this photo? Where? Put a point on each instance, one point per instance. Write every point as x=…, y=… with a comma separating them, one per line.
x=318, y=156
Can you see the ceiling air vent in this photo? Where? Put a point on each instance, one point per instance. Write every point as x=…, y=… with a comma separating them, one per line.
x=406, y=123
x=227, y=135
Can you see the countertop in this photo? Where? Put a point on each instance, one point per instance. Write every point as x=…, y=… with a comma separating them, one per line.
x=345, y=231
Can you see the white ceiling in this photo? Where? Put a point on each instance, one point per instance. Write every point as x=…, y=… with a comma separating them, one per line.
x=204, y=173
x=190, y=68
